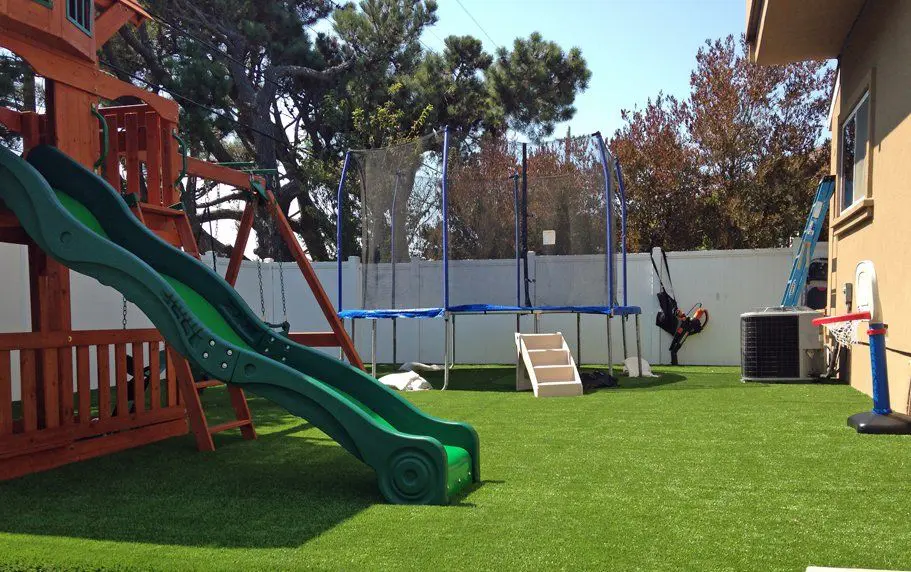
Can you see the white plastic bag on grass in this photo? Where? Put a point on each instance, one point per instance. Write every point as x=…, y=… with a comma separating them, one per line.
x=406, y=381
x=631, y=367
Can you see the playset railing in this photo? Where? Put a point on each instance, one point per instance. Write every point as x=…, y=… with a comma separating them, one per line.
x=82, y=384
x=142, y=156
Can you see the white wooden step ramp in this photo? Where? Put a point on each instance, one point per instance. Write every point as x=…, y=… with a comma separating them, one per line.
x=545, y=365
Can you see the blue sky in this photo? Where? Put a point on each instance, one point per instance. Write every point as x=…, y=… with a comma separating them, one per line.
x=634, y=48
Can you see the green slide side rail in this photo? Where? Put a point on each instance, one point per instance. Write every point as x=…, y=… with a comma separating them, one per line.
x=87, y=226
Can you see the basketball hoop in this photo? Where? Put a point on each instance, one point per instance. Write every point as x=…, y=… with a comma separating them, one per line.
x=843, y=328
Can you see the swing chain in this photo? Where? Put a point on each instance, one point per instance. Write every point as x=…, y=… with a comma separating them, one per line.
x=262, y=296
x=213, y=230
x=281, y=280
x=124, y=321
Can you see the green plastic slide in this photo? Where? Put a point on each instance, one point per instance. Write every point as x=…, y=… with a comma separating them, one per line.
x=82, y=222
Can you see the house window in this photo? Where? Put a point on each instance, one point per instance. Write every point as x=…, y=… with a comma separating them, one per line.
x=81, y=13
x=853, y=138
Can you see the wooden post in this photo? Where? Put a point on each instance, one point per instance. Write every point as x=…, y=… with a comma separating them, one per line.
x=187, y=385
x=240, y=245
x=325, y=304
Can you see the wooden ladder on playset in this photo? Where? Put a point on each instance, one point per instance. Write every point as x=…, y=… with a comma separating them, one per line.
x=138, y=136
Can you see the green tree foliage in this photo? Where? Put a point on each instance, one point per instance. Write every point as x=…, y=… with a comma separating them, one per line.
x=736, y=164
x=288, y=96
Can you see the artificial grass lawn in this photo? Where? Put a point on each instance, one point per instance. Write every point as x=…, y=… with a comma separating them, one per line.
x=694, y=470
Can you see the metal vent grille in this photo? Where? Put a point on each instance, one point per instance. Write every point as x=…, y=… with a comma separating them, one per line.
x=770, y=346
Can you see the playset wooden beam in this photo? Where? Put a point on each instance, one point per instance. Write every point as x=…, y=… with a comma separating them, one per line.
x=218, y=173
x=83, y=75
x=111, y=19
x=240, y=244
x=322, y=299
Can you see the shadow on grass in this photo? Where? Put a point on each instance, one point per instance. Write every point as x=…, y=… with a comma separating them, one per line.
x=503, y=379
x=286, y=487
x=277, y=491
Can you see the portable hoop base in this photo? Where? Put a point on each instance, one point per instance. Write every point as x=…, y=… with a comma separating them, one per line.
x=881, y=420
x=880, y=423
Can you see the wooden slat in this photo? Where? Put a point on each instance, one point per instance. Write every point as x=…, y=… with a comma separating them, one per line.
x=112, y=161
x=154, y=377
x=31, y=130
x=50, y=438
x=87, y=449
x=153, y=157
x=65, y=384
x=208, y=383
x=139, y=390
x=120, y=378
x=41, y=340
x=161, y=210
x=50, y=388
x=6, y=393
x=103, y=355
x=171, y=379
x=240, y=423
x=84, y=384
x=28, y=375
x=169, y=164
x=132, y=152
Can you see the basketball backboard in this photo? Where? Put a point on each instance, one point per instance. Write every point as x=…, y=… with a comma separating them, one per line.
x=865, y=292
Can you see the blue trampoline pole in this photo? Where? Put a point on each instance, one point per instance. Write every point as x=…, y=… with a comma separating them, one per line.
x=338, y=226
x=445, y=218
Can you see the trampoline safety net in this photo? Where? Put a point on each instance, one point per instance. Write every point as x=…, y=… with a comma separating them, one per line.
x=400, y=219
x=503, y=199
x=570, y=212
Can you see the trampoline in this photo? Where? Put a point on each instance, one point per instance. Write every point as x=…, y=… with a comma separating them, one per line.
x=482, y=212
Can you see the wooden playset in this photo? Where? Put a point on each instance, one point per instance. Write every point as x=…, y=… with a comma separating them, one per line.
x=145, y=391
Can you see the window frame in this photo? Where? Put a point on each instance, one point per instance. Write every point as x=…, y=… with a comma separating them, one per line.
x=91, y=16
x=856, y=198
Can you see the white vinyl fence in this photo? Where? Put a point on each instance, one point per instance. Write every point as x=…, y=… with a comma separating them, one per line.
x=726, y=282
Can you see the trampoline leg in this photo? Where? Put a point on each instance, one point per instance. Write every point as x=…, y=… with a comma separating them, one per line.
x=578, y=340
x=445, y=351
x=394, y=348
x=623, y=335
x=610, y=352
x=373, y=350
x=537, y=325
x=638, y=346
x=452, y=339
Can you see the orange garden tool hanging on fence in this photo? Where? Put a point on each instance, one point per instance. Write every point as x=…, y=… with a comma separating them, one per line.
x=679, y=324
